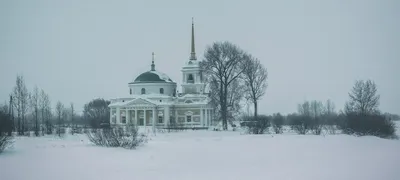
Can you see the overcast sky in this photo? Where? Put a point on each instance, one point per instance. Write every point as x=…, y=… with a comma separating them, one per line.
x=314, y=50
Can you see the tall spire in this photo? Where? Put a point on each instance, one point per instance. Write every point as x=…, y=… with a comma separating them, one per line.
x=153, y=66
x=193, y=52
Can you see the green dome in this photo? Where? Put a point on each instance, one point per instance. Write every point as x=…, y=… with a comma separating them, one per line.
x=152, y=77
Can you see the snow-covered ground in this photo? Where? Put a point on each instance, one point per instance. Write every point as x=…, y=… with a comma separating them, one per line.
x=205, y=155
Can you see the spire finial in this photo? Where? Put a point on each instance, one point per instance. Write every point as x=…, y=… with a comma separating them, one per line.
x=153, y=66
x=193, y=52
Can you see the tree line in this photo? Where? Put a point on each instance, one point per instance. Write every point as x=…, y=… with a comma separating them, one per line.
x=32, y=112
x=361, y=116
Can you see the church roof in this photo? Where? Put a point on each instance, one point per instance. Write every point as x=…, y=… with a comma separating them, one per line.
x=152, y=77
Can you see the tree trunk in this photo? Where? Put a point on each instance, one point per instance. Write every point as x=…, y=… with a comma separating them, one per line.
x=255, y=110
x=225, y=108
x=221, y=100
x=36, y=122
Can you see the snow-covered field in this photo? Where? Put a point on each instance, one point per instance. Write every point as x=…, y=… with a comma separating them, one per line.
x=205, y=155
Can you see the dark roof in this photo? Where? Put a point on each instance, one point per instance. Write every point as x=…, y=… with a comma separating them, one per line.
x=152, y=77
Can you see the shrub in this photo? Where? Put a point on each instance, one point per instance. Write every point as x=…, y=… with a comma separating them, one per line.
x=175, y=127
x=117, y=137
x=61, y=131
x=331, y=122
x=257, y=125
x=315, y=125
x=374, y=124
x=300, y=124
x=277, y=123
x=5, y=141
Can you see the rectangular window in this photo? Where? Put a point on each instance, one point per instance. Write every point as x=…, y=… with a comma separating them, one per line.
x=188, y=118
x=160, y=119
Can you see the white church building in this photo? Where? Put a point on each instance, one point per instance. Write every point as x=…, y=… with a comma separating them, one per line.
x=153, y=99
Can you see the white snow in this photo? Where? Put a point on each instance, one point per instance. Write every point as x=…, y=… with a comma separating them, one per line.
x=162, y=76
x=205, y=155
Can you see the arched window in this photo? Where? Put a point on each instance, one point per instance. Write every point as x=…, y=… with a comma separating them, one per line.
x=143, y=91
x=130, y=91
x=161, y=90
x=190, y=79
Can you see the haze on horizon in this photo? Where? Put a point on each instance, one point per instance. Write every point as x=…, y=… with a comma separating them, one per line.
x=314, y=50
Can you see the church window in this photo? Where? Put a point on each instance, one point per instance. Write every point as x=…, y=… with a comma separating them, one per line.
x=188, y=118
x=160, y=119
x=161, y=90
x=143, y=91
x=190, y=79
x=130, y=91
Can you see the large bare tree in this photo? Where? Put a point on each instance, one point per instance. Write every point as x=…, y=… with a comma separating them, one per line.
x=235, y=95
x=255, y=81
x=21, y=102
x=364, y=99
x=223, y=64
x=35, y=99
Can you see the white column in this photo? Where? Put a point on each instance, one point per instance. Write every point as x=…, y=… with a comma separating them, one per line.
x=111, y=110
x=127, y=115
x=154, y=117
x=201, y=117
x=176, y=116
x=209, y=115
x=136, y=116
x=144, y=117
x=206, y=117
x=118, y=116
x=166, y=116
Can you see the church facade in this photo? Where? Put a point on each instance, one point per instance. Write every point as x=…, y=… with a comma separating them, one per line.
x=154, y=101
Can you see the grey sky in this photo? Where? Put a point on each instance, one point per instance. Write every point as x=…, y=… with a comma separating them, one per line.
x=80, y=50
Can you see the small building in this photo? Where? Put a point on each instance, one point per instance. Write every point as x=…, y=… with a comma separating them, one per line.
x=154, y=100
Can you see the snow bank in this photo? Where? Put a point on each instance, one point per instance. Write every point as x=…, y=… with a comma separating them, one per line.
x=206, y=155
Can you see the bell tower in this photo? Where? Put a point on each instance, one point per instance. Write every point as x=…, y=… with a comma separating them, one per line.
x=192, y=81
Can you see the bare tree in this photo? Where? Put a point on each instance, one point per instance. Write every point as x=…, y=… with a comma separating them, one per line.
x=45, y=108
x=223, y=65
x=255, y=80
x=317, y=110
x=21, y=97
x=304, y=109
x=234, y=97
x=35, y=108
x=363, y=98
x=329, y=107
x=60, y=116
x=73, y=124
x=330, y=117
